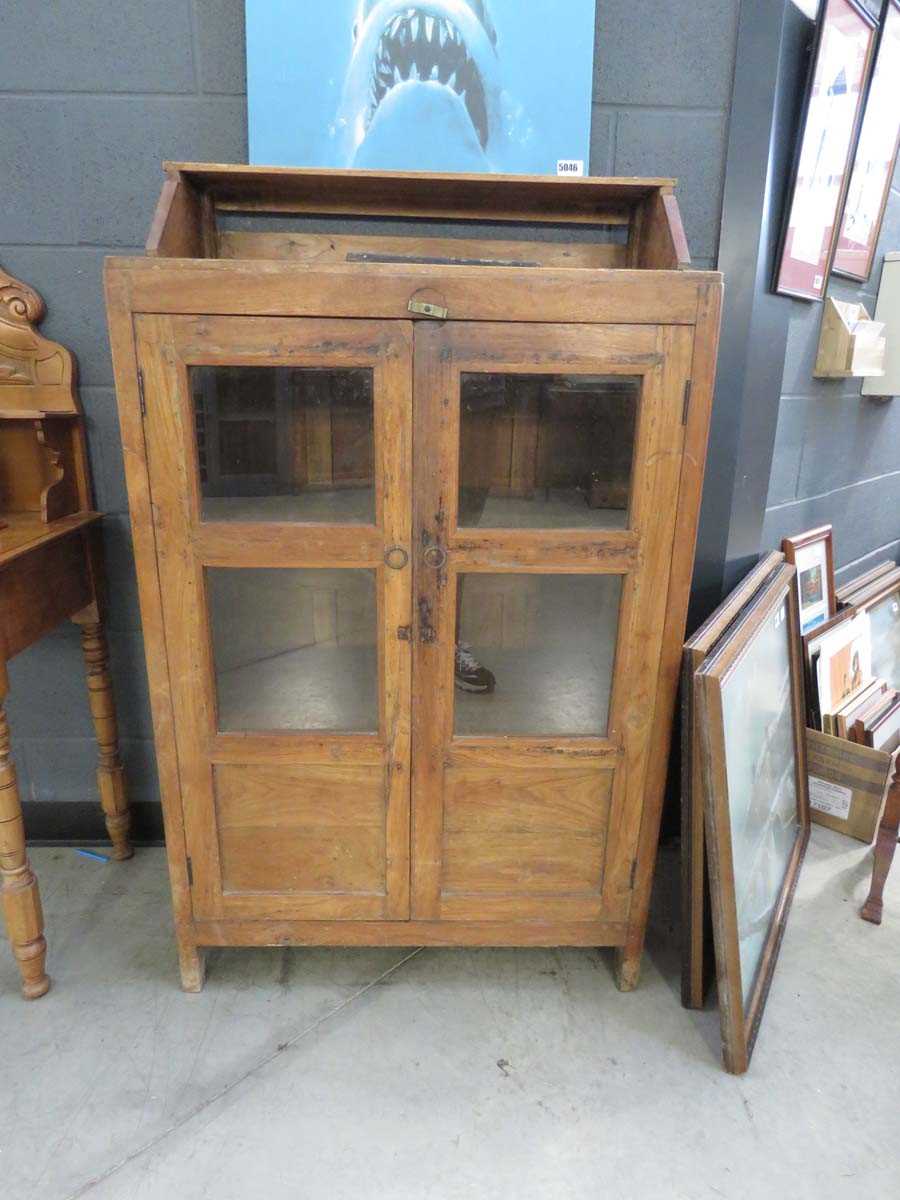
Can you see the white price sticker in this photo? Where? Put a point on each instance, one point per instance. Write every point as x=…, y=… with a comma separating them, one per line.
x=570, y=166
x=829, y=798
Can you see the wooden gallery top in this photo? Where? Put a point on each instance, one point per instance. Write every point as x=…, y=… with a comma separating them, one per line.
x=489, y=427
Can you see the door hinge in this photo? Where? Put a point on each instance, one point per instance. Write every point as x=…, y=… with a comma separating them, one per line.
x=143, y=402
x=190, y=872
x=686, y=403
x=404, y=633
x=632, y=875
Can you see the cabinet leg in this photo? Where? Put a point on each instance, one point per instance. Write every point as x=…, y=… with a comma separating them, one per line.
x=628, y=967
x=110, y=773
x=885, y=847
x=21, y=897
x=192, y=964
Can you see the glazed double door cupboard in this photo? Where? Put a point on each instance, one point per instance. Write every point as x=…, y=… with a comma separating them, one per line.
x=353, y=458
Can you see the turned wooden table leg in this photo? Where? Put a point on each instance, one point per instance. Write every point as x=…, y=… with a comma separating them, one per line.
x=21, y=897
x=885, y=846
x=110, y=773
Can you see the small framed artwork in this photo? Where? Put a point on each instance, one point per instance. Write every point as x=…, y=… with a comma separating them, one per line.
x=838, y=76
x=875, y=158
x=696, y=948
x=812, y=553
x=750, y=706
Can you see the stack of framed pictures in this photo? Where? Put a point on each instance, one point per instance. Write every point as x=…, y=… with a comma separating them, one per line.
x=745, y=764
x=790, y=713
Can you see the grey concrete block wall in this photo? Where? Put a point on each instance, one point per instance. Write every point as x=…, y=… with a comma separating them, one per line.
x=837, y=453
x=93, y=96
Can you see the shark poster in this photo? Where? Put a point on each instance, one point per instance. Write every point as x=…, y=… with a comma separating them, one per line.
x=440, y=85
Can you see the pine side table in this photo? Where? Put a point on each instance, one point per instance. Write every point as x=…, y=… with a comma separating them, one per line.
x=50, y=571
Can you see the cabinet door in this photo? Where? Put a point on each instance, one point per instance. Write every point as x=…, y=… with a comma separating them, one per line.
x=547, y=461
x=280, y=460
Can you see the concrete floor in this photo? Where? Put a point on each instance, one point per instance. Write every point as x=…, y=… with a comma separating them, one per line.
x=443, y=1074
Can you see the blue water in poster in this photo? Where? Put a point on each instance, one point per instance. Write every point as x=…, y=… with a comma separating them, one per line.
x=440, y=85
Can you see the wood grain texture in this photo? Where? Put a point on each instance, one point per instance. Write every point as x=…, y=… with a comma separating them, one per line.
x=50, y=570
x=18, y=886
x=740, y=1020
x=379, y=291
x=523, y=840
x=225, y=861
x=702, y=375
x=514, y=932
x=697, y=963
x=320, y=248
x=885, y=847
x=110, y=772
x=125, y=366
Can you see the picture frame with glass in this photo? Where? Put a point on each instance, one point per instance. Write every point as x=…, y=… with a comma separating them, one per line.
x=883, y=610
x=751, y=714
x=697, y=964
x=812, y=553
x=875, y=157
x=839, y=73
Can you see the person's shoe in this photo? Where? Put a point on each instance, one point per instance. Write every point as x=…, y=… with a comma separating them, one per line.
x=471, y=676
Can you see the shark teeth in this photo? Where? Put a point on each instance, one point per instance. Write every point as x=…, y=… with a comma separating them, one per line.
x=421, y=47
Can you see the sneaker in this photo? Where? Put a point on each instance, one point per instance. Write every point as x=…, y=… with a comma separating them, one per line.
x=471, y=676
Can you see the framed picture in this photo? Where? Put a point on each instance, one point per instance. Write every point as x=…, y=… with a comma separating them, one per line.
x=750, y=705
x=437, y=85
x=884, y=628
x=812, y=553
x=875, y=158
x=838, y=74
x=696, y=948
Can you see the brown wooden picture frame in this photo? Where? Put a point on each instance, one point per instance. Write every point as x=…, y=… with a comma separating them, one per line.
x=697, y=965
x=873, y=596
x=853, y=259
x=845, y=592
x=740, y=1022
x=796, y=274
x=791, y=547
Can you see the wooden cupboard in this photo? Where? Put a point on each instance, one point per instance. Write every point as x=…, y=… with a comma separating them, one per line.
x=350, y=450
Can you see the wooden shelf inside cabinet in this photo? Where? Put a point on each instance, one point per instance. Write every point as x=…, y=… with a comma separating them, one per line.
x=851, y=344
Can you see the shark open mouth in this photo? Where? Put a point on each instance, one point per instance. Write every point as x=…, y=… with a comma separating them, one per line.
x=417, y=46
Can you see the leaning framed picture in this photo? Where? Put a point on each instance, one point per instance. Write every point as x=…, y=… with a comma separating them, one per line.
x=696, y=947
x=750, y=709
x=812, y=553
x=883, y=609
x=875, y=158
x=839, y=71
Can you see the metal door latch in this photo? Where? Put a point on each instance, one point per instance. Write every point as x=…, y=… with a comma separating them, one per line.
x=423, y=309
x=426, y=631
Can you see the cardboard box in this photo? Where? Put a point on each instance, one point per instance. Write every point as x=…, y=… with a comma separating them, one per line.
x=847, y=784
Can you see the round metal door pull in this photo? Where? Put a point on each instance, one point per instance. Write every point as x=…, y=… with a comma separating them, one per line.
x=396, y=558
x=435, y=556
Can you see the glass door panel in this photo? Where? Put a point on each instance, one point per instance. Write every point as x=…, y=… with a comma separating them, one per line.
x=294, y=648
x=546, y=451
x=279, y=454
x=285, y=443
x=548, y=641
